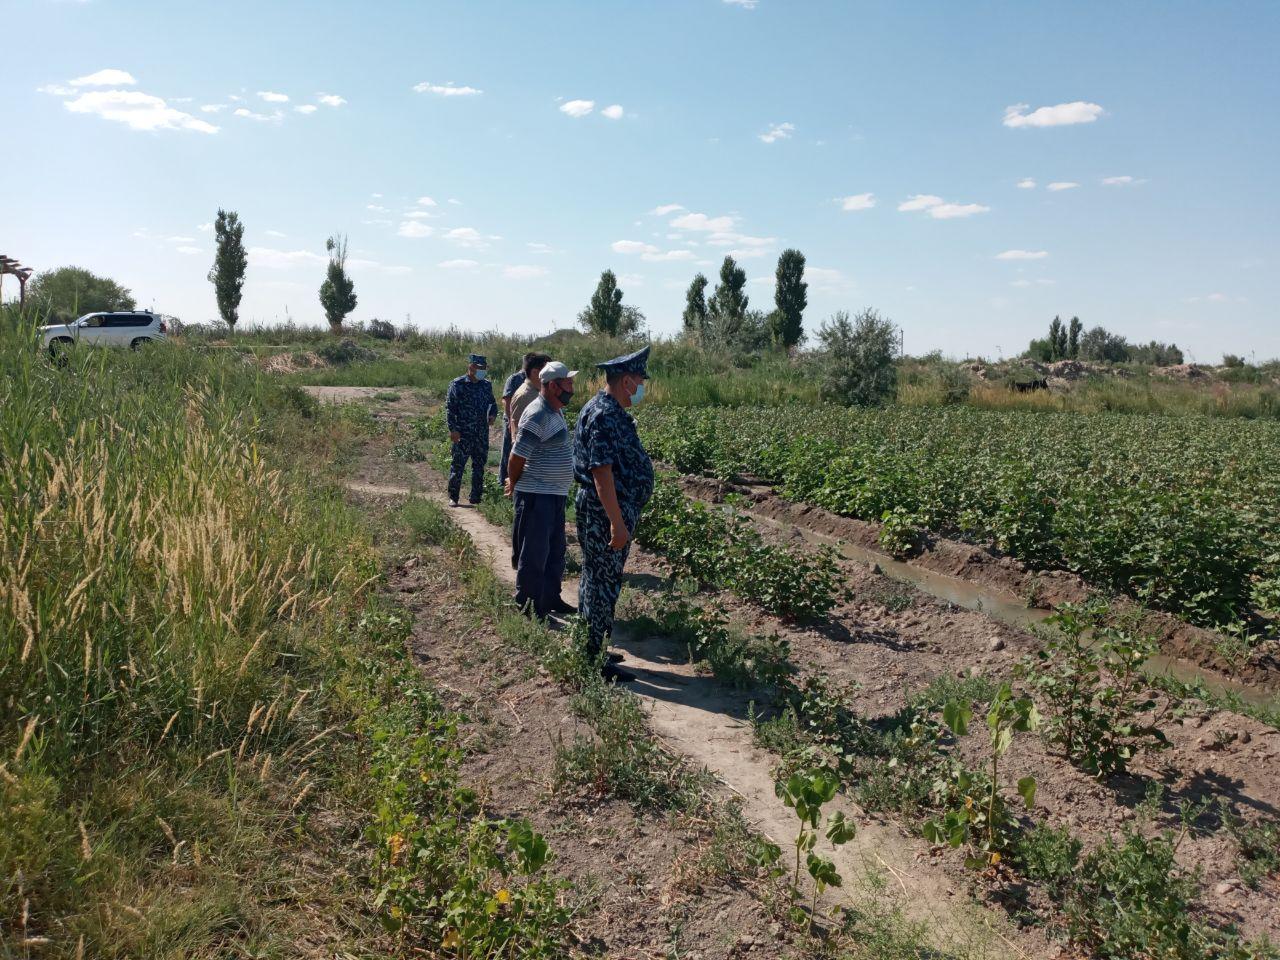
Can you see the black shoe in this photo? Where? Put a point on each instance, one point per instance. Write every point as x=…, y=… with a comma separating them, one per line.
x=614, y=657
x=563, y=608
x=616, y=674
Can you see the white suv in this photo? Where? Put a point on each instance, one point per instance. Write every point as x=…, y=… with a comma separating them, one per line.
x=132, y=328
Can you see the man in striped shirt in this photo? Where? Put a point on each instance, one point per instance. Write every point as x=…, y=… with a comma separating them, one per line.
x=539, y=474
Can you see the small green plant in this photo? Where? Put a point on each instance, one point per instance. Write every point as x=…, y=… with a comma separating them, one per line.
x=974, y=812
x=1090, y=674
x=901, y=531
x=806, y=792
x=1259, y=843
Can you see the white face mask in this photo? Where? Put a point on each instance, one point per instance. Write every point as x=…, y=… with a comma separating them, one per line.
x=638, y=395
x=482, y=374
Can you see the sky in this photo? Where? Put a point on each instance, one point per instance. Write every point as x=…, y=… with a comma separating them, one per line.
x=968, y=169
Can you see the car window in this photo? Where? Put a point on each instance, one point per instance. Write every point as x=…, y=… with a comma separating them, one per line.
x=128, y=320
x=94, y=321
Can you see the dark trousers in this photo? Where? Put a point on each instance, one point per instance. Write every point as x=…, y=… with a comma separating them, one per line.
x=537, y=550
x=475, y=449
x=506, y=453
x=601, y=580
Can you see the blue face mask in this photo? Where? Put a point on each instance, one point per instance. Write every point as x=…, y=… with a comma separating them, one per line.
x=482, y=374
x=638, y=395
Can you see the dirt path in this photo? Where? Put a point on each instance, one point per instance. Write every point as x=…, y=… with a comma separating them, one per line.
x=699, y=719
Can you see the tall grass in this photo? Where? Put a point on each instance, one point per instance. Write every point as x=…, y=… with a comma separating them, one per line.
x=169, y=605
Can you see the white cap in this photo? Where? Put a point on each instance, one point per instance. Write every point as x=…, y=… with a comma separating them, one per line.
x=555, y=370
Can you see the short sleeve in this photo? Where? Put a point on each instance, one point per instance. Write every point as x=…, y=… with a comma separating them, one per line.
x=600, y=443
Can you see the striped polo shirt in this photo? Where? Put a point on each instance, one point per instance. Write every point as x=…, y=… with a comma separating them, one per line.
x=543, y=440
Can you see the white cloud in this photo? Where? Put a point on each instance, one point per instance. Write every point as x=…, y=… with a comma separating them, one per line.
x=631, y=246
x=731, y=239
x=859, y=201
x=274, y=233
x=578, y=108
x=938, y=208
x=666, y=208
x=213, y=107
x=331, y=99
x=205, y=227
x=272, y=259
x=446, y=89
x=187, y=249
x=306, y=108
x=359, y=265
x=1064, y=114
x=523, y=272
x=458, y=264
x=1042, y=282
x=1022, y=255
x=260, y=117
x=613, y=111
x=952, y=211
x=1121, y=181
x=377, y=222
x=826, y=279
x=701, y=222
x=414, y=230
x=56, y=90
x=1062, y=185
x=426, y=202
x=457, y=203
x=778, y=131
x=650, y=253
x=467, y=237
x=105, y=78
x=376, y=208
x=744, y=4
x=1026, y=184
x=539, y=247
x=1218, y=298
x=136, y=110
x=270, y=97
x=919, y=201
x=418, y=215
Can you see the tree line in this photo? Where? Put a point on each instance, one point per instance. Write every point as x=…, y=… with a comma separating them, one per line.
x=1070, y=341
x=724, y=319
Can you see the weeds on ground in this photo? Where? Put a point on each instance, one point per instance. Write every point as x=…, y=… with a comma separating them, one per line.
x=1259, y=845
x=1090, y=675
x=737, y=658
x=723, y=550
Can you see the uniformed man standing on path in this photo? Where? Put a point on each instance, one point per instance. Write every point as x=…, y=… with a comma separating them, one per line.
x=469, y=412
x=615, y=481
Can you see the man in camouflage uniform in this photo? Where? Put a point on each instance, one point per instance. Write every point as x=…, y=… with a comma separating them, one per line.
x=615, y=481
x=469, y=412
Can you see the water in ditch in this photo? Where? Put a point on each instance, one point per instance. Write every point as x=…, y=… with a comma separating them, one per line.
x=1008, y=609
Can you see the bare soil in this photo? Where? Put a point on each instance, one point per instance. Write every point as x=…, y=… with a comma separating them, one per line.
x=1043, y=588
x=890, y=641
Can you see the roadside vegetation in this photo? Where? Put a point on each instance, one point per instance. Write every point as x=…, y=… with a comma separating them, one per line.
x=210, y=733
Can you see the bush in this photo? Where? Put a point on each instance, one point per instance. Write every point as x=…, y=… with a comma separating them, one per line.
x=343, y=352
x=384, y=330
x=859, y=365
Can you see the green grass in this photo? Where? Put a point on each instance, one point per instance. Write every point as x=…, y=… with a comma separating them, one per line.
x=201, y=705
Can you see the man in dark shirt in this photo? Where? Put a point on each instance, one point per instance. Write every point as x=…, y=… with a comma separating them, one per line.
x=469, y=412
x=615, y=481
x=528, y=373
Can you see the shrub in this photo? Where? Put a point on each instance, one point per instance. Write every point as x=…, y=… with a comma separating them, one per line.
x=859, y=365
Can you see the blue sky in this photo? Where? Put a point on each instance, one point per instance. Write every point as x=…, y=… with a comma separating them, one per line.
x=488, y=160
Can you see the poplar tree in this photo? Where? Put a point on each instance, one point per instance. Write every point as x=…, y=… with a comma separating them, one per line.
x=604, y=314
x=790, y=296
x=229, y=262
x=695, y=307
x=338, y=292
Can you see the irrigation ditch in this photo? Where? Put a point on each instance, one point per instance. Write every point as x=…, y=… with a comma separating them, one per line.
x=904, y=626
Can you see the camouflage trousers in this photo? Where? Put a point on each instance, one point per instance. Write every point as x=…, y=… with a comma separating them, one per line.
x=601, y=578
x=475, y=449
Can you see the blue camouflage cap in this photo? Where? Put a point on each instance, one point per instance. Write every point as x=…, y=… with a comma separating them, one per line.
x=631, y=363
x=478, y=359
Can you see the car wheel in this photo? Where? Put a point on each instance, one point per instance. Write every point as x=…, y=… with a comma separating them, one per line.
x=59, y=348
x=139, y=342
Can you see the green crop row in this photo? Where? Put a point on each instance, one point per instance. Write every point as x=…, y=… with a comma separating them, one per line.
x=720, y=548
x=1181, y=513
